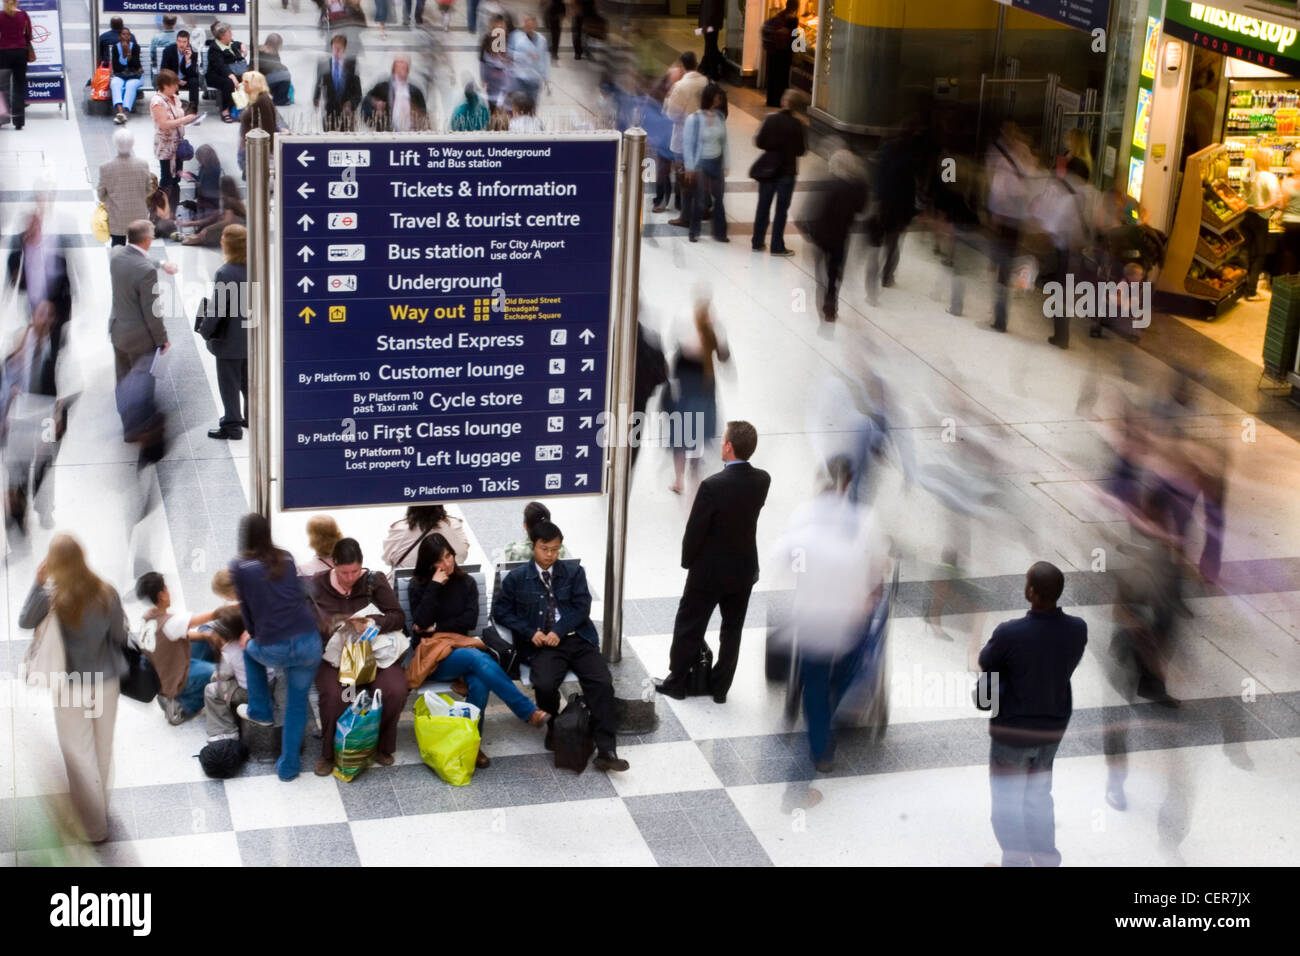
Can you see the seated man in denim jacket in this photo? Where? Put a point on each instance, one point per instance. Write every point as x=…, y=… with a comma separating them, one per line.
x=547, y=607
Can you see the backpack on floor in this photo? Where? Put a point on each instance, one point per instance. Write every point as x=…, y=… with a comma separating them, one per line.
x=572, y=737
x=223, y=759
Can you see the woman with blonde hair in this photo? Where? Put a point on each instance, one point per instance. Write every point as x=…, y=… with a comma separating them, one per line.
x=225, y=329
x=1264, y=194
x=322, y=534
x=1078, y=147
x=92, y=629
x=258, y=114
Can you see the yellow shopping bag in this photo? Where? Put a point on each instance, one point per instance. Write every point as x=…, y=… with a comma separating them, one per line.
x=449, y=745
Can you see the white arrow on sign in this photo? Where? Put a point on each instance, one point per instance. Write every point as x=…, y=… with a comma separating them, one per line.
x=584, y=394
x=588, y=365
x=305, y=157
x=584, y=422
x=306, y=253
x=305, y=283
x=582, y=451
x=586, y=335
x=305, y=220
x=304, y=190
x=582, y=480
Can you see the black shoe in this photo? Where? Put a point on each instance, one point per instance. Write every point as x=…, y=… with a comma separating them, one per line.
x=721, y=239
x=719, y=698
x=549, y=742
x=243, y=423
x=610, y=761
x=695, y=238
x=669, y=689
x=226, y=433
x=758, y=248
x=1053, y=340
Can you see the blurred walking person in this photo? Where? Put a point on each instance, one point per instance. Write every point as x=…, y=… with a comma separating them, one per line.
x=1264, y=194
x=842, y=559
x=837, y=206
x=83, y=614
x=694, y=405
x=1031, y=659
x=683, y=100
x=33, y=420
x=705, y=157
x=1007, y=166
x=893, y=208
x=783, y=139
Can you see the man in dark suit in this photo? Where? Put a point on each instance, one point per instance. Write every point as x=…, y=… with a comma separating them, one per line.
x=183, y=60
x=547, y=608
x=340, y=87
x=720, y=554
x=135, y=325
x=1030, y=661
x=712, y=13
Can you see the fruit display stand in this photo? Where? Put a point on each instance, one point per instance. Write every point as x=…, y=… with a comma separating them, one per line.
x=1201, y=277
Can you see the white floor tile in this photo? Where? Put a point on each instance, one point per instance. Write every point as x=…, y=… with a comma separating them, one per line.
x=664, y=768
x=601, y=834
x=257, y=803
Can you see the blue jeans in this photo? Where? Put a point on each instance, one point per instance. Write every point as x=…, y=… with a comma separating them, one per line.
x=419, y=11
x=381, y=11
x=471, y=15
x=709, y=178
x=124, y=92
x=191, y=698
x=484, y=675
x=296, y=660
x=783, y=189
x=1024, y=817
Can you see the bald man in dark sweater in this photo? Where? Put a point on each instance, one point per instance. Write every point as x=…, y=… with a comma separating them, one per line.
x=1029, y=662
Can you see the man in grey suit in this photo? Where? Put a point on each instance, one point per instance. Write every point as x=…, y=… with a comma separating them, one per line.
x=135, y=325
x=125, y=185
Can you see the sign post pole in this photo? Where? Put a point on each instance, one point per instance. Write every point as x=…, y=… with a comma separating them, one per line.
x=94, y=36
x=624, y=351
x=258, y=149
x=252, y=26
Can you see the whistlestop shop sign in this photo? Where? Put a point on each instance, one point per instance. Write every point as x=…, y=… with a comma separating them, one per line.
x=446, y=316
x=1267, y=43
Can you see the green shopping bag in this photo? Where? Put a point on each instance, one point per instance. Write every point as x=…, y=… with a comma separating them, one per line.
x=449, y=745
x=356, y=735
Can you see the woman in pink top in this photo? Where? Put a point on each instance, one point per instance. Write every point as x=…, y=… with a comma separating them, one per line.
x=169, y=122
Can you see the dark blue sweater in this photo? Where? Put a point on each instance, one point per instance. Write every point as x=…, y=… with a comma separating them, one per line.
x=1034, y=657
x=274, y=609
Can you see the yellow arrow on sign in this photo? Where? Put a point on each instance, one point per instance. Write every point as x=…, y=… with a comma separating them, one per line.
x=307, y=313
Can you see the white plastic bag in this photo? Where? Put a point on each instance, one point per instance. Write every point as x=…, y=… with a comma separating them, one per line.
x=439, y=705
x=465, y=710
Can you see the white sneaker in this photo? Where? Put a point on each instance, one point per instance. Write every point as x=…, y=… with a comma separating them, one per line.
x=242, y=711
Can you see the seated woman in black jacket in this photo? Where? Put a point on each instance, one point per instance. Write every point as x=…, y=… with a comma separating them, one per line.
x=444, y=602
x=226, y=64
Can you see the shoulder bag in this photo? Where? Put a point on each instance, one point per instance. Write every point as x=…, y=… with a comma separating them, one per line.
x=140, y=682
x=46, y=659
x=767, y=167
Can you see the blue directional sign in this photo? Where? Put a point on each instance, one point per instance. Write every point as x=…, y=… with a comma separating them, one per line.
x=446, y=316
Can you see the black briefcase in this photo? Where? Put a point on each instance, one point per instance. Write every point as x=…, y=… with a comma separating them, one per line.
x=571, y=736
x=700, y=674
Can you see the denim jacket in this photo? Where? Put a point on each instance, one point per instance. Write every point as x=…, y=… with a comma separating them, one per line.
x=520, y=604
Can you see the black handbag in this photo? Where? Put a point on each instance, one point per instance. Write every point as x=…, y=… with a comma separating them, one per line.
x=502, y=651
x=767, y=167
x=700, y=674
x=209, y=325
x=140, y=682
x=571, y=736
